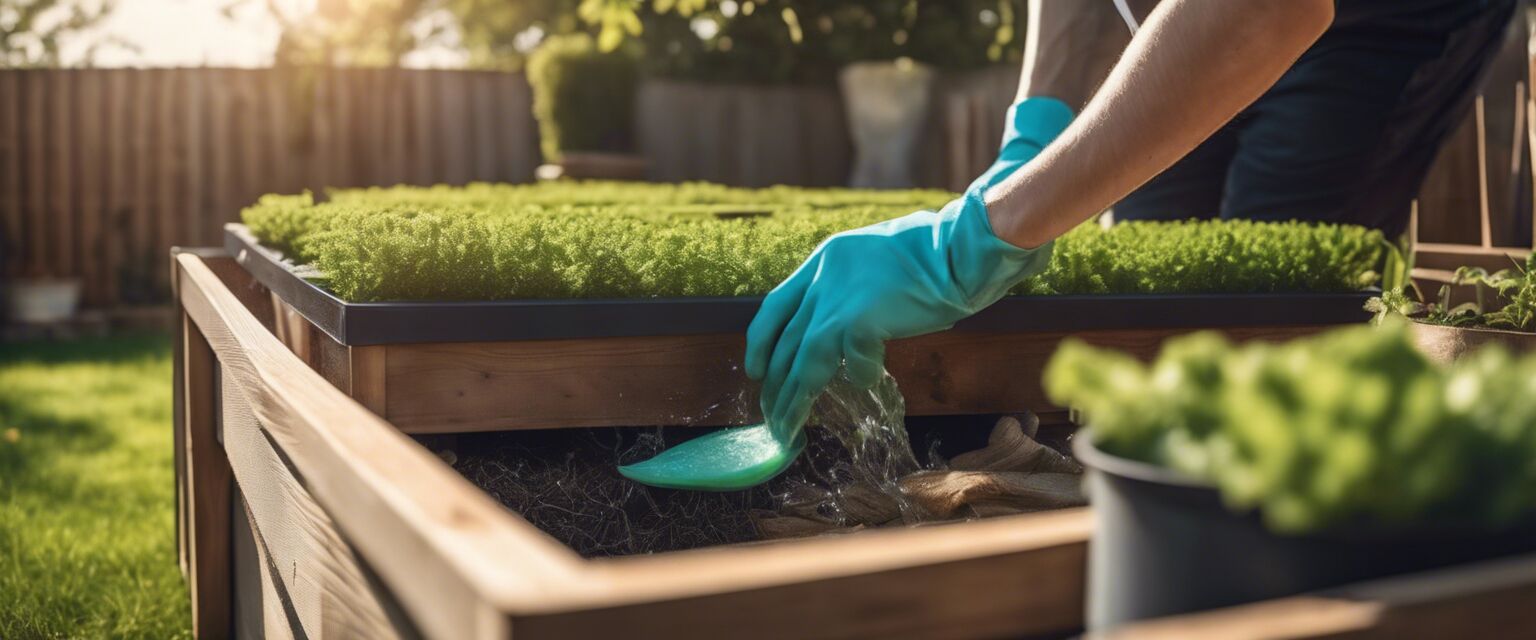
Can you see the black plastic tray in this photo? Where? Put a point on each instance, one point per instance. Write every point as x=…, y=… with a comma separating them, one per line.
x=371, y=323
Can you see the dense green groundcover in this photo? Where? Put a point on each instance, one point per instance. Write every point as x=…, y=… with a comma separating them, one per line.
x=87, y=515
x=602, y=240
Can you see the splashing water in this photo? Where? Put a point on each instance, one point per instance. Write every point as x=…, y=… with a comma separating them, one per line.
x=871, y=426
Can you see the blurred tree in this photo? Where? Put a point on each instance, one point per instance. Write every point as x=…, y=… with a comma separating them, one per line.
x=359, y=33
x=501, y=34
x=942, y=32
x=809, y=40
x=751, y=40
x=31, y=31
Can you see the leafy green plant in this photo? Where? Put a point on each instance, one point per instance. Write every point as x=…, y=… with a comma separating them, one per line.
x=1353, y=427
x=583, y=98
x=587, y=240
x=1515, y=286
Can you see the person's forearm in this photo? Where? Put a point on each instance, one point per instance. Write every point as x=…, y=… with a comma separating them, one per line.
x=1069, y=48
x=1192, y=67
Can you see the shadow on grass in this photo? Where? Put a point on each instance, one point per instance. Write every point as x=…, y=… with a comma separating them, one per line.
x=87, y=525
x=115, y=349
x=65, y=406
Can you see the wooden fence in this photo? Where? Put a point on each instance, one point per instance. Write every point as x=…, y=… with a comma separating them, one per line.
x=101, y=171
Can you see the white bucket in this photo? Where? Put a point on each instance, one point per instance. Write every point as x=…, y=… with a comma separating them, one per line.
x=41, y=301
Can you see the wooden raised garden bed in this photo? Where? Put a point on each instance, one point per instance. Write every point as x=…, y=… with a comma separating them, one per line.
x=342, y=525
x=302, y=514
x=306, y=488
x=523, y=364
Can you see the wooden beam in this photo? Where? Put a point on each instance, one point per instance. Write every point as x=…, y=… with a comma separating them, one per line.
x=451, y=554
x=369, y=366
x=1003, y=577
x=459, y=387
x=1485, y=600
x=261, y=609
x=208, y=491
x=323, y=580
x=1482, y=173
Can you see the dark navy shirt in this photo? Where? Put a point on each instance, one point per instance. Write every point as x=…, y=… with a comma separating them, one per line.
x=1407, y=15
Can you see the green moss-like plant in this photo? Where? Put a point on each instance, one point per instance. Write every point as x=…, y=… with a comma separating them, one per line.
x=599, y=240
x=583, y=98
x=1354, y=427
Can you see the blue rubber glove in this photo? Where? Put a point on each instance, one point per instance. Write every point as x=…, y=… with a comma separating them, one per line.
x=1030, y=125
x=901, y=278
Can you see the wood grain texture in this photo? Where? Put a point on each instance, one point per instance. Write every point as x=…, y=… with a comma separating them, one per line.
x=450, y=554
x=1005, y=577
x=208, y=490
x=368, y=382
x=322, y=577
x=90, y=143
x=697, y=380
x=292, y=329
x=41, y=262
x=101, y=171
x=61, y=210
x=461, y=566
x=1484, y=600
x=12, y=229
x=261, y=609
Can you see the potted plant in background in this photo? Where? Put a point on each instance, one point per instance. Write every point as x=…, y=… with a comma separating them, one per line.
x=584, y=101
x=1502, y=311
x=1225, y=474
x=892, y=52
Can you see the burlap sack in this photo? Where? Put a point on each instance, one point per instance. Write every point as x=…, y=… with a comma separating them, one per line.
x=1013, y=474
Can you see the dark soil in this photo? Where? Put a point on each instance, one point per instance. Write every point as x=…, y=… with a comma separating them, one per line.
x=565, y=482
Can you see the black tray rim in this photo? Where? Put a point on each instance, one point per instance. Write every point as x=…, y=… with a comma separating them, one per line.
x=378, y=323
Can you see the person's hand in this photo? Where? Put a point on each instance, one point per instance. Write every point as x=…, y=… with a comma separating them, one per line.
x=1029, y=125
x=905, y=277
x=900, y=278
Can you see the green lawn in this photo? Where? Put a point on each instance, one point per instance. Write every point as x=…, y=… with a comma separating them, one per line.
x=87, y=523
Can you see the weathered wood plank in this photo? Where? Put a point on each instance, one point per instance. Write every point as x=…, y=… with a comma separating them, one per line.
x=447, y=387
x=60, y=214
x=34, y=93
x=142, y=164
x=260, y=609
x=90, y=143
x=460, y=566
x=120, y=192
x=208, y=489
x=368, y=377
x=102, y=170
x=12, y=228
x=322, y=578
x=453, y=105
x=1004, y=577
x=452, y=556
x=1483, y=600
